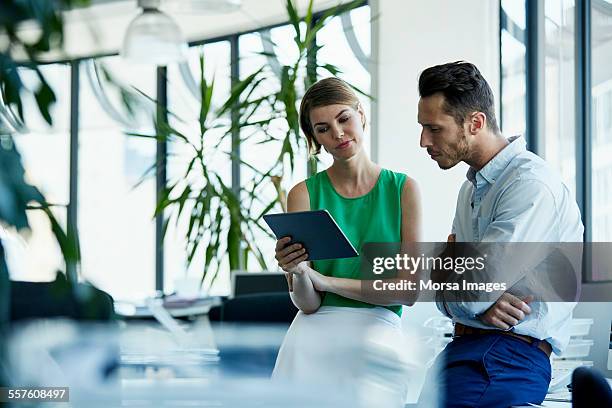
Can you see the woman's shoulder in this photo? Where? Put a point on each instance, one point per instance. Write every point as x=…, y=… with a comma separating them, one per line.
x=404, y=183
x=314, y=181
x=394, y=177
x=317, y=176
x=298, y=198
x=299, y=188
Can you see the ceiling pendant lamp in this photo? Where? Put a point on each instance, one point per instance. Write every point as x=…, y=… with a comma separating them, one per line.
x=153, y=37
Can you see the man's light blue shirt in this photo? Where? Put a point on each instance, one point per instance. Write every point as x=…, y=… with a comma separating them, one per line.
x=517, y=197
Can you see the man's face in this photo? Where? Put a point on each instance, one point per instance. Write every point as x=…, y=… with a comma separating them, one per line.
x=444, y=140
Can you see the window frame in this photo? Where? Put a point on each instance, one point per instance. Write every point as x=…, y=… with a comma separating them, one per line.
x=583, y=111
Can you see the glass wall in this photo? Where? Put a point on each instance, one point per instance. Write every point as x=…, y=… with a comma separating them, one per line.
x=45, y=152
x=338, y=52
x=601, y=93
x=513, y=121
x=115, y=204
x=558, y=144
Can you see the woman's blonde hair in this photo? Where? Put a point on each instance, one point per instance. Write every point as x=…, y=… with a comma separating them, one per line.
x=327, y=91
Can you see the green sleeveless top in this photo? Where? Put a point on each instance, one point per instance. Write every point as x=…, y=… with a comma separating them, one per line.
x=373, y=217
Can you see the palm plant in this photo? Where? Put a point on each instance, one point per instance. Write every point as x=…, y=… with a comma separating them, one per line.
x=216, y=221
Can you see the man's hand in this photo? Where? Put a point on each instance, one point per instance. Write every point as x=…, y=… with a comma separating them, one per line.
x=507, y=312
x=442, y=274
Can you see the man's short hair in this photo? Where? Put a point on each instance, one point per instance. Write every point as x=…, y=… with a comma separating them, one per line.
x=464, y=89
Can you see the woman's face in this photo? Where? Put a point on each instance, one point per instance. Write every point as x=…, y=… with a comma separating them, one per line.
x=339, y=129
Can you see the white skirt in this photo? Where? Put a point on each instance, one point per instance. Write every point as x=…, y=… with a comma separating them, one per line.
x=359, y=351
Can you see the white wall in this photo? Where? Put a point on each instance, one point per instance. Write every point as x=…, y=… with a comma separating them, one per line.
x=409, y=36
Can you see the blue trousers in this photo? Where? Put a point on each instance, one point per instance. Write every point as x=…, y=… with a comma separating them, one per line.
x=493, y=370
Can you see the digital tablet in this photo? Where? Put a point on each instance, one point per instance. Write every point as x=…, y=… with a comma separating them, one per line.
x=316, y=230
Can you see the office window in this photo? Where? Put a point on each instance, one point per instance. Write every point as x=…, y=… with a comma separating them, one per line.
x=558, y=144
x=337, y=51
x=185, y=110
x=601, y=127
x=115, y=214
x=260, y=150
x=45, y=154
x=513, y=119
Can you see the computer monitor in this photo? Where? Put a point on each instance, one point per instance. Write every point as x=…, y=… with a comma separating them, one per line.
x=247, y=283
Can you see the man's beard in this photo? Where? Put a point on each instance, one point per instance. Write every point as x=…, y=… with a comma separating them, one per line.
x=457, y=152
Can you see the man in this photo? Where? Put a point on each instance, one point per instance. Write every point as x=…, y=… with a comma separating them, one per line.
x=499, y=355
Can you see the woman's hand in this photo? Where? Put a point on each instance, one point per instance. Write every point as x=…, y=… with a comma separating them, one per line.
x=319, y=281
x=290, y=256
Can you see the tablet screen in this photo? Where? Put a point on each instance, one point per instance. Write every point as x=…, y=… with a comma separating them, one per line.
x=316, y=230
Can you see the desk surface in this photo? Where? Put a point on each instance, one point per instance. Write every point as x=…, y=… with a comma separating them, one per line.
x=176, y=307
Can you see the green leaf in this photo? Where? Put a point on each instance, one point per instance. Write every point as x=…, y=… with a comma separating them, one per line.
x=159, y=106
x=145, y=175
x=68, y=245
x=309, y=15
x=332, y=69
x=182, y=199
x=11, y=84
x=266, y=54
x=45, y=98
x=134, y=134
x=165, y=223
x=336, y=11
x=361, y=91
x=213, y=247
x=294, y=19
x=15, y=192
x=194, y=218
x=287, y=149
x=237, y=91
x=233, y=243
x=164, y=200
x=206, y=92
x=268, y=208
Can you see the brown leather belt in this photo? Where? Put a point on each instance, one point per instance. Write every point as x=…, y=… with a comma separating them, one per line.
x=462, y=330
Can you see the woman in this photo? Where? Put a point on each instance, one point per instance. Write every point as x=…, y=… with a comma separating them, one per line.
x=339, y=333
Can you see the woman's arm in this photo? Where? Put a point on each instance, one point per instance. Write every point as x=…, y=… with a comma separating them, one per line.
x=292, y=259
x=411, y=234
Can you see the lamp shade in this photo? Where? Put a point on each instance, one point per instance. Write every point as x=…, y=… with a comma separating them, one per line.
x=153, y=37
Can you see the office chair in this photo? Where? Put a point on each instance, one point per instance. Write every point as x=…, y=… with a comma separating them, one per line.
x=590, y=389
x=266, y=307
x=256, y=297
x=30, y=300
